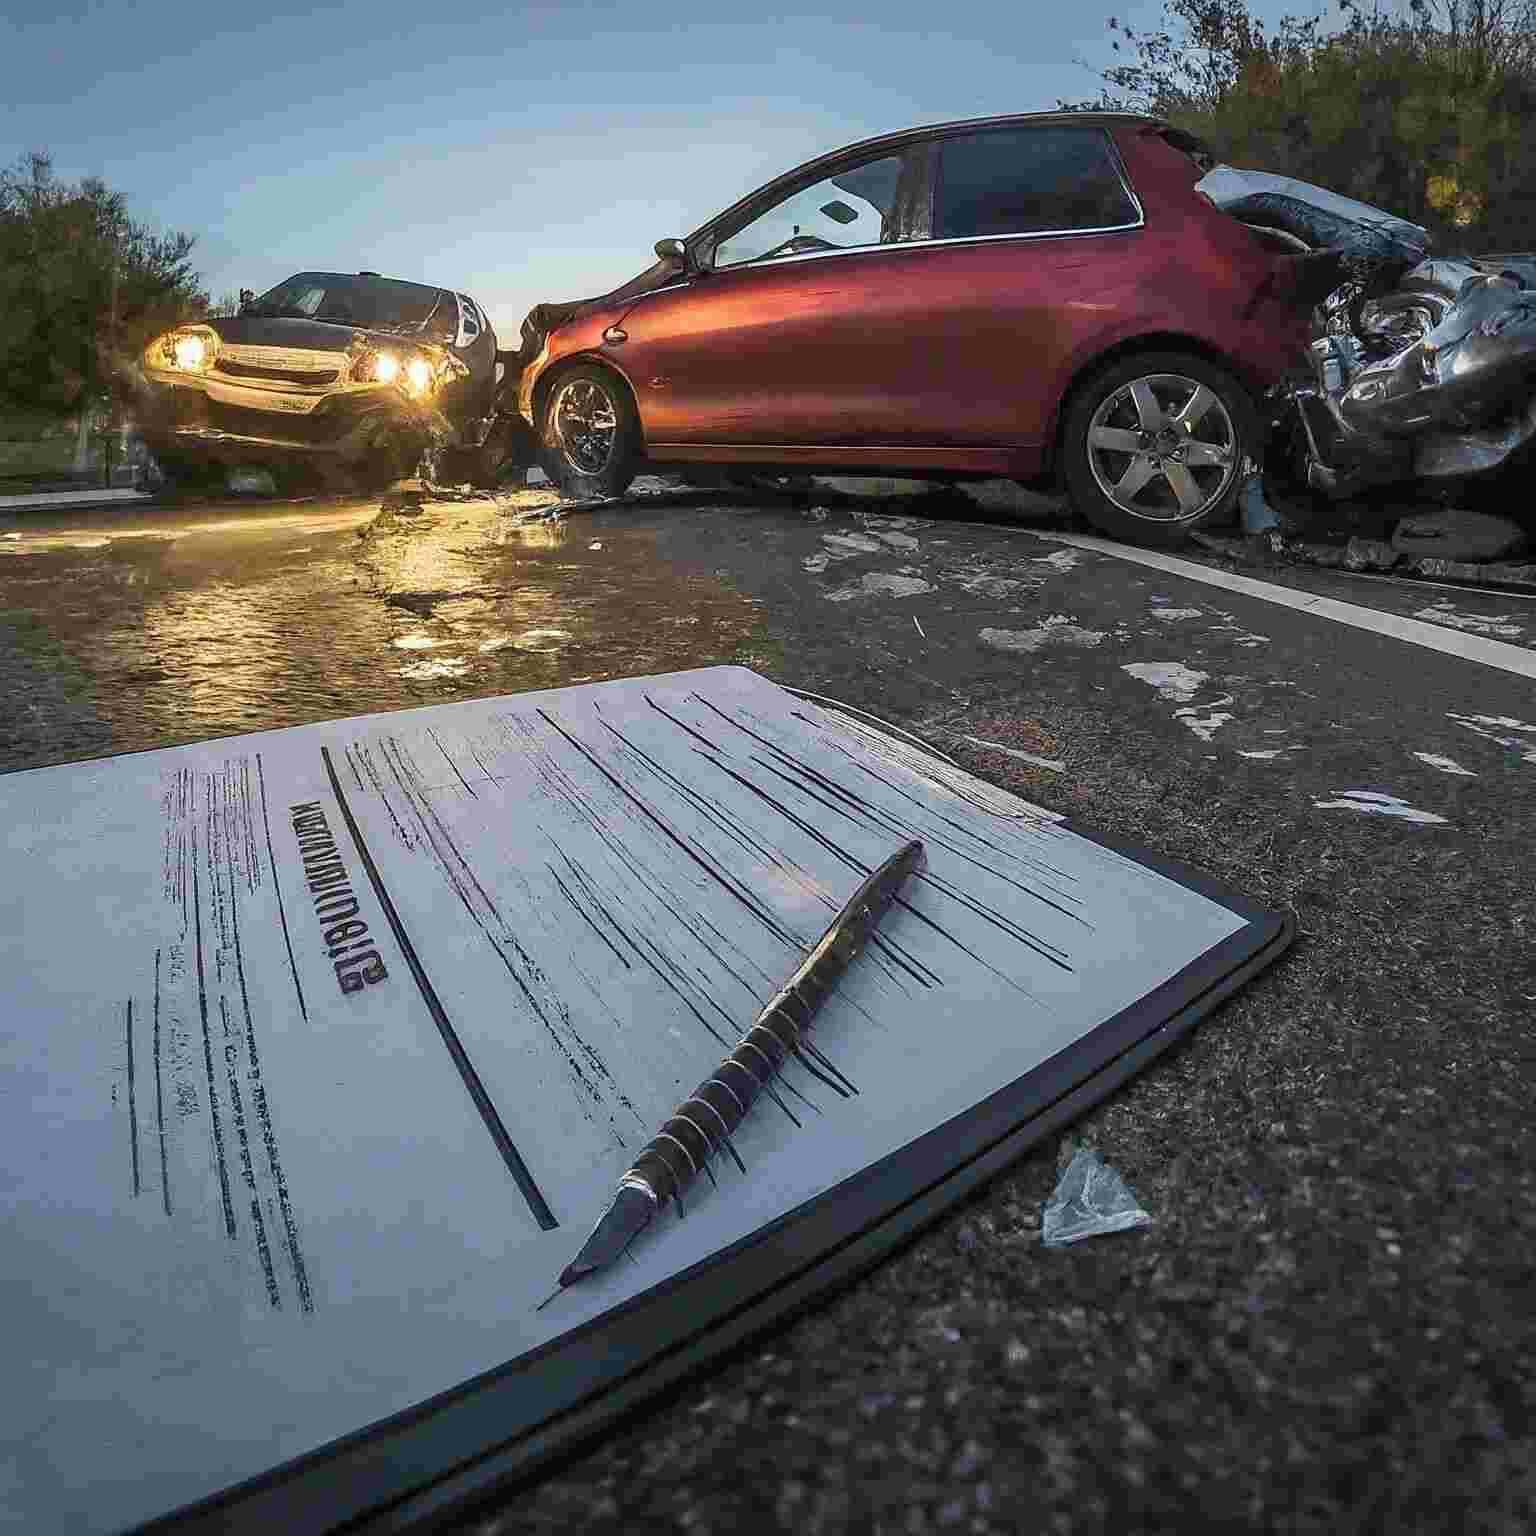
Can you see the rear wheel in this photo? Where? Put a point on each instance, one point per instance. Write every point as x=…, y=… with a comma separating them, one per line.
x=589, y=435
x=1153, y=446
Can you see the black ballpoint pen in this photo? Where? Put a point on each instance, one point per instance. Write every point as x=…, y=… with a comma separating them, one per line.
x=704, y=1121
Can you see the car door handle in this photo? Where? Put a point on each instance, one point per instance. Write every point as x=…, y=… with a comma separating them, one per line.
x=615, y=334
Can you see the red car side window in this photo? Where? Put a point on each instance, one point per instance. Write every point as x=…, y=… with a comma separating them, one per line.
x=1020, y=181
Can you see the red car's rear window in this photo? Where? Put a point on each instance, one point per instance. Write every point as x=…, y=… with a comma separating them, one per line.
x=1010, y=181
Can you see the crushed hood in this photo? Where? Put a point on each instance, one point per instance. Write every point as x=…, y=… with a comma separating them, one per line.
x=308, y=335
x=1323, y=219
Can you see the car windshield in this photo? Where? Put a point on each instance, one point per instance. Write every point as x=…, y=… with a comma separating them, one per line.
x=373, y=302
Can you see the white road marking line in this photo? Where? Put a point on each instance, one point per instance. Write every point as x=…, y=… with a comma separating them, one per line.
x=1450, y=642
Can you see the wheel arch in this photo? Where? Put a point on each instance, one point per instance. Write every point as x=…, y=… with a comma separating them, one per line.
x=1149, y=341
x=546, y=381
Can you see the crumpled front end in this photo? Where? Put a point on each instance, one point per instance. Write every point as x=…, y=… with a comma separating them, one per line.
x=1425, y=366
x=1477, y=354
x=200, y=395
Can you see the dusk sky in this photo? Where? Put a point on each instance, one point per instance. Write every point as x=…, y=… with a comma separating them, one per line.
x=522, y=152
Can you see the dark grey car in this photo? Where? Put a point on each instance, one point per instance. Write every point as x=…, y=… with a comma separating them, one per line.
x=353, y=375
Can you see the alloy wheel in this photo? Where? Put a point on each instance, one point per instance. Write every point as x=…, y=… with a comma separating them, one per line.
x=586, y=425
x=1163, y=447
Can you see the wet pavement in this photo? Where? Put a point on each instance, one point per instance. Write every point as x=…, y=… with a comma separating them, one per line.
x=1331, y=1323
x=144, y=630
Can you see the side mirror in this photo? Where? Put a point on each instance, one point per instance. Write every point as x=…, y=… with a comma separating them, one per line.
x=672, y=250
x=247, y=298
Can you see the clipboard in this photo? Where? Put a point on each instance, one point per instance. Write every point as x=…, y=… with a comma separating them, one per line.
x=326, y=1045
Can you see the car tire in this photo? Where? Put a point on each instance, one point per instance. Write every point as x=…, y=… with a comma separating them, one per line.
x=1127, y=441
x=589, y=435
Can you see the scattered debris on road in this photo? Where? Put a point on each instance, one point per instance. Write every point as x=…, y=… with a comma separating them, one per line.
x=1444, y=764
x=1371, y=803
x=1090, y=1200
x=1456, y=533
x=1503, y=730
x=1172, y=679
x=1056, y=629
x=1368, y=556
x=874, y=584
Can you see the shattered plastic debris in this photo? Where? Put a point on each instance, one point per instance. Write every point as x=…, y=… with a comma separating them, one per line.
x=1062, y=560
x=1091, y=1199
x=1373, y=804
x=845, y=544
x=1444, y=764
x=554, y=513
x=1213, y=717
x=875, y=585
x=1480, y=725
x=595, y=544
x=541, y=640
x=1175, y=613
x=1058, y=629
x=1172, y=679
x=424, y=671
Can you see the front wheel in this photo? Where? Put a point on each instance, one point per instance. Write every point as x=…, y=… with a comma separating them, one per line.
x=589, y=435
x=1153, y=446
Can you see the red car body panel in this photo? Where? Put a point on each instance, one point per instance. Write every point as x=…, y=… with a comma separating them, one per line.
x=951, y=355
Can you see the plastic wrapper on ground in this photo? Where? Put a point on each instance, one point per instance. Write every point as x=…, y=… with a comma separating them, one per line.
x=1090, y=1200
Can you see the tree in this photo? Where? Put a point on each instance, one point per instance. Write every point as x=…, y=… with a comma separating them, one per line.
x=83, y=287
x=1422, y=112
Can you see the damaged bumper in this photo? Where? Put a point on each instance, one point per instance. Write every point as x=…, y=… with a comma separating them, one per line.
x=1423, y=367
x=221, y=420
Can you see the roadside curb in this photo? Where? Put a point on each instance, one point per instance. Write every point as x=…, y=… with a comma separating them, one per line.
x=81, y=500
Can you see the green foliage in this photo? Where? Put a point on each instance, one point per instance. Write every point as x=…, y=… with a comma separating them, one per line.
x=83, y=287
x=1424, y=112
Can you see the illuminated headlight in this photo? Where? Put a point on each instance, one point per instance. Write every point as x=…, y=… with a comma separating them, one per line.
x=419, y=376
x=417, y=373
x=191, y=349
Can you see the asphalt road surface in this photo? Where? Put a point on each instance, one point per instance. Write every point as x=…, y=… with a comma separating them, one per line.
x=1329, y=1326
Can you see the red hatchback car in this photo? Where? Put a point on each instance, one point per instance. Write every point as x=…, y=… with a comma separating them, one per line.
x=1040, y=297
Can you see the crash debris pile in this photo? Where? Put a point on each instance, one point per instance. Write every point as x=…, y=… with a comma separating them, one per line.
x=1423, y=367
